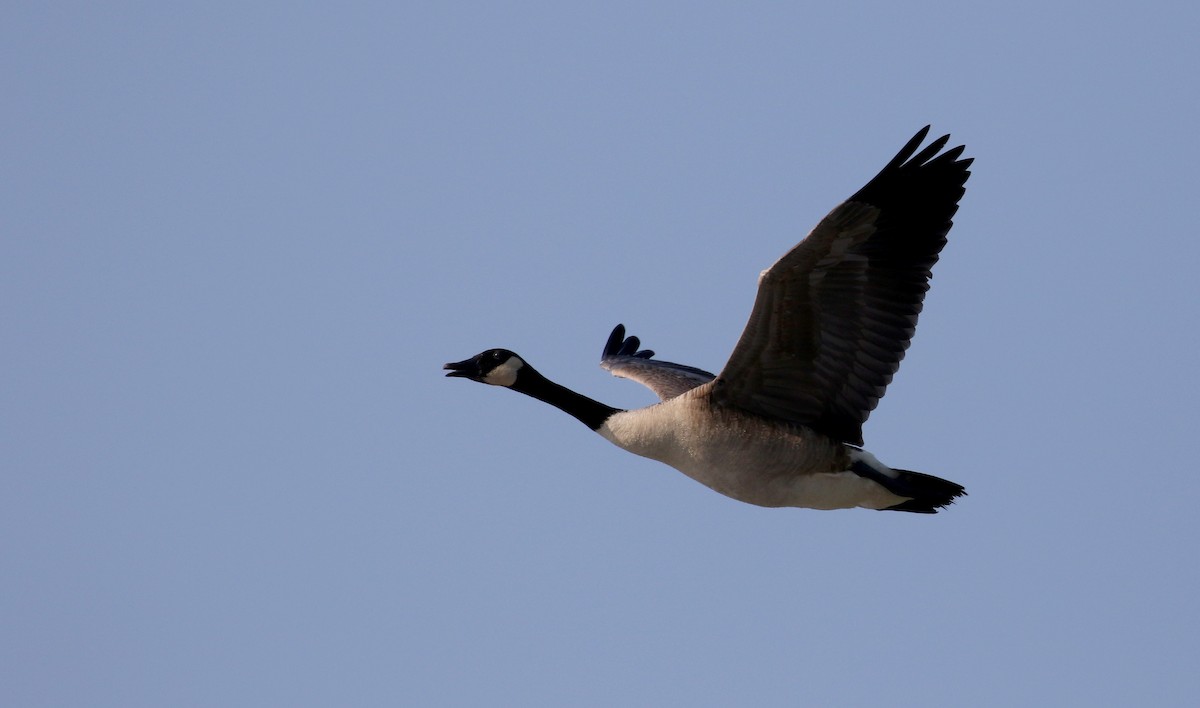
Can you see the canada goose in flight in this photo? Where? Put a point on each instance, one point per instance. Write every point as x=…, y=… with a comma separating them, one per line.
x=781, y=425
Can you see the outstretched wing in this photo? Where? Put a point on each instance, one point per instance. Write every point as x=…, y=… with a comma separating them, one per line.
x=834, y=316
x=668, y=380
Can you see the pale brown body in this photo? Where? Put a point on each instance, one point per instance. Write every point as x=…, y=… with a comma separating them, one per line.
x=746, y=457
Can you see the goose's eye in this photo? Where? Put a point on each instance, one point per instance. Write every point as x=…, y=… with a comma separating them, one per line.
x=497, y=355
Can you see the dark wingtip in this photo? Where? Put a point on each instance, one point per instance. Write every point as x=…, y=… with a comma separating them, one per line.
x=620, y=345
x=909, y=155
x=916, y=171
x=909, y=148
x=613, y=345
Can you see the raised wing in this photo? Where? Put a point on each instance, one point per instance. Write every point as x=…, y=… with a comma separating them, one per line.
x=668, y=380
x=835, y=315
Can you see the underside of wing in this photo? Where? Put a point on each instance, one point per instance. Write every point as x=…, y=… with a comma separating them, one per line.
x=834, y=316
x=622, y=357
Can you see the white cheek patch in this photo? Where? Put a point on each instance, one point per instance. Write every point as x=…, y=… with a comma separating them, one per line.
x=505, y=374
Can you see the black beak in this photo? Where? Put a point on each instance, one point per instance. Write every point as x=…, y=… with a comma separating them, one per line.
x=468, y=368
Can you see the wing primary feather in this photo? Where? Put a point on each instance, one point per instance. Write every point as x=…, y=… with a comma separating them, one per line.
x=613, y=345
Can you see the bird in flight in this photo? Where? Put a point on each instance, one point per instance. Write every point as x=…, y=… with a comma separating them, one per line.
x=781, y=424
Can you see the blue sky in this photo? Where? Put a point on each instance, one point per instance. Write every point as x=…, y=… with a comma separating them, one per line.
x=239, y=240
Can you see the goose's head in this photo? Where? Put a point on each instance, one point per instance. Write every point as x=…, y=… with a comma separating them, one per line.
x=498, y=367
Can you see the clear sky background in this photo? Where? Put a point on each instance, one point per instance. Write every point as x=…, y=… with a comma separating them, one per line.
x=238, y=241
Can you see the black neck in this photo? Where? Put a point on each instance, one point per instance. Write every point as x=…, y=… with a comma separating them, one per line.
x=589, y=412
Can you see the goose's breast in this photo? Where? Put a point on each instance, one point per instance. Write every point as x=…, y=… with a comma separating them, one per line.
x=745, y=457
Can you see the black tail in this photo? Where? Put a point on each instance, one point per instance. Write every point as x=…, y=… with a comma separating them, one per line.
x=928, y=493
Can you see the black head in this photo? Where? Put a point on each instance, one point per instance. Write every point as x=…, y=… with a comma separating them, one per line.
x=498, y=367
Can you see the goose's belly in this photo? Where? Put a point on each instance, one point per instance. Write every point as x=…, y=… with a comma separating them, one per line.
x=749, y=459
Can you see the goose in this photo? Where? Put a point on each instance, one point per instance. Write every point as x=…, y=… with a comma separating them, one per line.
x=781, y=424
